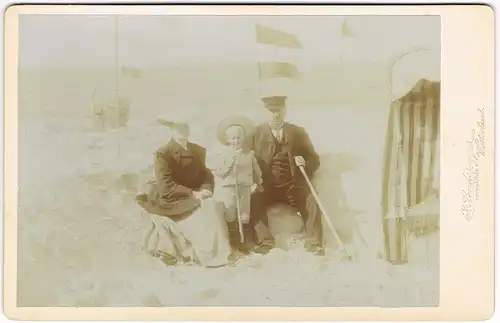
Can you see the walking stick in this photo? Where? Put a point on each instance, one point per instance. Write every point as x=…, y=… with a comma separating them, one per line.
x=238, y=209
x=325, y=215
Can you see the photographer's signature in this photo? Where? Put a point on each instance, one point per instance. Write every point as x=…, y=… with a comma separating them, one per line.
x=476, y=149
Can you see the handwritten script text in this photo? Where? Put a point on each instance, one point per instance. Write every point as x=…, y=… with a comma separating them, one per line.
x=476, y=149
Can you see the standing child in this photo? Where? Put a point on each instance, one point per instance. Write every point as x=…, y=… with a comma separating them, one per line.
x=236, y=171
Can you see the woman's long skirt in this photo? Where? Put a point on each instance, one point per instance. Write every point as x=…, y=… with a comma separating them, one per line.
x=199, y=237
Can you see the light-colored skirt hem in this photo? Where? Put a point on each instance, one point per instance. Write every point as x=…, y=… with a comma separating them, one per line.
x=200, y=238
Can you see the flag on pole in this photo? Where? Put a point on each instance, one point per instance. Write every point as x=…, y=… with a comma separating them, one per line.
x=278, y=60
x=269, y=70
x=274, y=37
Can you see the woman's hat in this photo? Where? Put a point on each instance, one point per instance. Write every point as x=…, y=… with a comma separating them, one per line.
x=173, y=119
x=244, y=122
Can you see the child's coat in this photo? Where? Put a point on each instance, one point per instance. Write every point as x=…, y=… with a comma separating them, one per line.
x=243, y=171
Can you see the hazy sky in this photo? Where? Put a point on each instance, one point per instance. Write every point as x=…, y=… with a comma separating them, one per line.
x=84, y=41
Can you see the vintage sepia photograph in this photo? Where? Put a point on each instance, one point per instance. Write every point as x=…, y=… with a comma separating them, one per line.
x=228, y=160
x=249, y=163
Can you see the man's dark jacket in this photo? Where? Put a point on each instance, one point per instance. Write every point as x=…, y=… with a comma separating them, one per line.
x=178, y=173
x=296, y=142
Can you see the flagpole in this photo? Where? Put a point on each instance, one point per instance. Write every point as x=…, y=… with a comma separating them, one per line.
x=343, y=85
x=341, y=61
x=117, y=83
x=256, y=54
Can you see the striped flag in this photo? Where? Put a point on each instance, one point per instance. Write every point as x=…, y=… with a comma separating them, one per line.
x=409, y=161
x=278, y=55
x=269, y=70
x=274, y=37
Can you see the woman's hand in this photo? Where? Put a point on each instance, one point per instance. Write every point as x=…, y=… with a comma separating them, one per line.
x=201, y=195
x=206, y=194
x=198, y=195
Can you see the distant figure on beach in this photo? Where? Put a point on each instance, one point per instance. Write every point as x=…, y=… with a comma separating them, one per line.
x=185, y=227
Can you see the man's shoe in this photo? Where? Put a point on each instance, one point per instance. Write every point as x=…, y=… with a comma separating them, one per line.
x=235, y=256
x=244, y=250
x=317, y=250
x=169, y=260
x=141, y=198
x=264, y=247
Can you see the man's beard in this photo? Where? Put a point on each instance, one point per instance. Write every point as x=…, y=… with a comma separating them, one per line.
x=276, y=124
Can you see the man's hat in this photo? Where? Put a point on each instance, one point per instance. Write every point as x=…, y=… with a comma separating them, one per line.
x=274, y=101
x=173, y=119
x=247, y=125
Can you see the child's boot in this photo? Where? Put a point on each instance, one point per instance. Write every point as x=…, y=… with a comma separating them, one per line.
x=234, y=241
x=234, y=236
x=246, y=246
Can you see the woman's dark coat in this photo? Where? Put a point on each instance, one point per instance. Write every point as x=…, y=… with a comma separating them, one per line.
x=178, y=173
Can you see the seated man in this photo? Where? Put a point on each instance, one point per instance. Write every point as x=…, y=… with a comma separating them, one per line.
x=281, y=148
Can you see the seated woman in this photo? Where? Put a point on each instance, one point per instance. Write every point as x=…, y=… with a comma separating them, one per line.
x=185, y=226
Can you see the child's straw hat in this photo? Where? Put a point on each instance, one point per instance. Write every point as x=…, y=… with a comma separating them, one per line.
x=244, y=122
